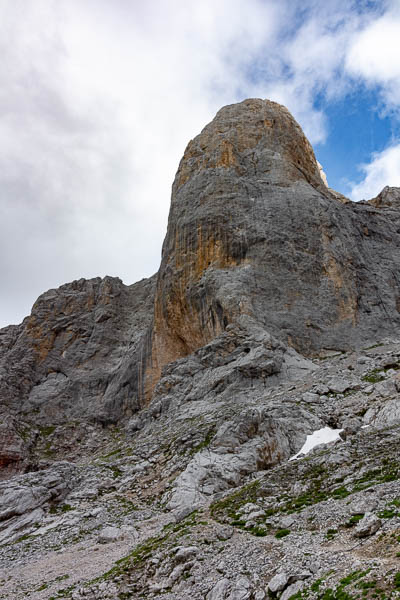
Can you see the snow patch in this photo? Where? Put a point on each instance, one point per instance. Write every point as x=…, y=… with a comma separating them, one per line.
x=321, y=436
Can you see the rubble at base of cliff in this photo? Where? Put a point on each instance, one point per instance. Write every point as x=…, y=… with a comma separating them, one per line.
x=102, y=528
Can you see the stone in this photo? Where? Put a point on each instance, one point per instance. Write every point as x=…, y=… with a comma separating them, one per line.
x=368, y=525
x=25, y=524
x=362, y=360
x=351, y=425
x=110, y=535
x=84, y=494
x=294, y=588
x=176, y=573
x=278, y=583
x=362, y=505
x=386, y=388
x=242, y=589
x=185, y=553
x=389, y=414
x=181, y=513
x=338, y=385
x=220, y=590
x=310, y=397
x=23, y=498
x=287, y=521
x=225, y=532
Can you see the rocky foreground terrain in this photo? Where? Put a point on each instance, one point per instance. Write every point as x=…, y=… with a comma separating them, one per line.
x=151, y=435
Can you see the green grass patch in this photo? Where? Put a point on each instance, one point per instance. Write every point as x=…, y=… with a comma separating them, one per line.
x=387, y=513
x=257, y=530
x=396, y=581
x=231, y=504
x=116, y=452
x=330, y=534
x=46, y=430
x=373, y=376
x=354, y=520
x=281, y=533
x=205, y=443
x=44, y=586
x=63, y=508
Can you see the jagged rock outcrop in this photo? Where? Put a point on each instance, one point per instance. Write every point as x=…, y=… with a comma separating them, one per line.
x=388, y=198
x=22, y=500
x=79, y=351
x=78, y=357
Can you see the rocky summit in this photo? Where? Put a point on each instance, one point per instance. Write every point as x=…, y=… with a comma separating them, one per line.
x=228, y=429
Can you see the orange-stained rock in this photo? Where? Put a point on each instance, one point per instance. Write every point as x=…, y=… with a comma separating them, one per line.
x=254, y=230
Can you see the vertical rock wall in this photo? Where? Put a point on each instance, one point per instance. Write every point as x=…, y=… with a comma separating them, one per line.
x=253, y=230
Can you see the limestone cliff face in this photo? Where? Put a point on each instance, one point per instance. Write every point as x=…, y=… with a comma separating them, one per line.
x=253, y=230
x=257, y=249
x=79, y=353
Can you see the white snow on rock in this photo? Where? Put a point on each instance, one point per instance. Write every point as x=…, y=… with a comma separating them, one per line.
x=321, y=436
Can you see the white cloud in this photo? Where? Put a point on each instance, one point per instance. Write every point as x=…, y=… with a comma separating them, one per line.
x=384, y=169
x=374, y=55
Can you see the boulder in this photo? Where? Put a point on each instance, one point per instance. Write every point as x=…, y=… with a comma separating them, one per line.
x=368, y=525
x=278, y=582
x=110, y=535
x=220, y=590
x=293, y=589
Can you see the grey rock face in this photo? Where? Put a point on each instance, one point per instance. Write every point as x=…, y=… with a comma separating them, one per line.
x=258, y=251
x=255, y=440
x=72, y=346
x=220, y=590
x=242, y=589
x=78, y=357
x=338, y=385
x=22, y=498
x=368, y=525
x=278, y=583
x=389, y=197
x=253, y=230
x=292, y=589
x=171, y=404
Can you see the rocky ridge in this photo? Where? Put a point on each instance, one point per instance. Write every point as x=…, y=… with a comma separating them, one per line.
x=146, y=430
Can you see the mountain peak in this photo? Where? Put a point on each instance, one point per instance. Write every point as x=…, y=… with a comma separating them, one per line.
x=253, y=135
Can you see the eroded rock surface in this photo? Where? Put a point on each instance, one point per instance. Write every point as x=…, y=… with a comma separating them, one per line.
x=254, y=231
x=78, y=358
x=180, y=400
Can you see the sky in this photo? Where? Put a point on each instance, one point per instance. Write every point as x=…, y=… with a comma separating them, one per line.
x=99, y=98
